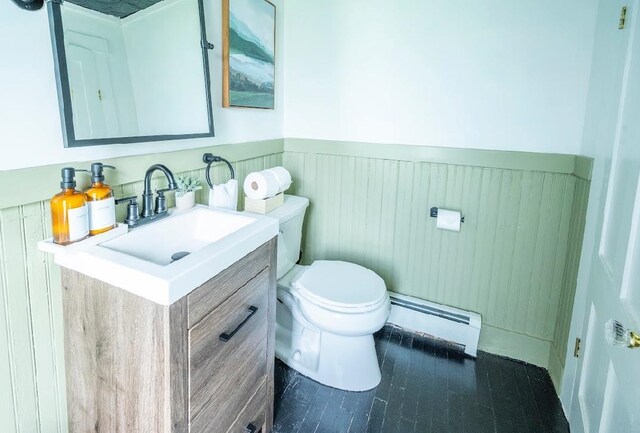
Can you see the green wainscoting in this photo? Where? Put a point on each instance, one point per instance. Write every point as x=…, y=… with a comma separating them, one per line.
x=579, y=166
x=561, y=336
x=27, y=185
x=514, y=261
x=32, y=377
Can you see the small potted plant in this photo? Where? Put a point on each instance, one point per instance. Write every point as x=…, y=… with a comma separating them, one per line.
x=186, y=191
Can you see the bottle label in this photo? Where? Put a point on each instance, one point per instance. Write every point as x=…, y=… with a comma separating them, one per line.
x=78, y=223
x=102, y=214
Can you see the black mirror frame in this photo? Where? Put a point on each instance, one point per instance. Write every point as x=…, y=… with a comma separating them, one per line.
x=64, y=92
x=32, y=5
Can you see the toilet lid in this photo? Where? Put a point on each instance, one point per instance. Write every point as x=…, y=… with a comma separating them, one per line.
x=341, y=284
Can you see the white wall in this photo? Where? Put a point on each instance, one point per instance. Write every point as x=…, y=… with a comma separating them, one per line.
x=492, y=74
x=30, y=131
x=163, y=45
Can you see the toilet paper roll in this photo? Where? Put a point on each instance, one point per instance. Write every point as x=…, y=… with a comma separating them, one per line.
x=448, y=220
x=260, y=185
x=283, y=176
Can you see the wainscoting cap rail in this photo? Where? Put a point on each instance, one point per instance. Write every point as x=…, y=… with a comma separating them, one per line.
x=31, y=185
x=577, y=165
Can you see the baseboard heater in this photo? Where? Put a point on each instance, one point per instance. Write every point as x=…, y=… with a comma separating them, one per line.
x=447, y=323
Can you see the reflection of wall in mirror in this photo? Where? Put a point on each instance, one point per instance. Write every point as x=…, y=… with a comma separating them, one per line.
x=165, y=62
x=101, y=90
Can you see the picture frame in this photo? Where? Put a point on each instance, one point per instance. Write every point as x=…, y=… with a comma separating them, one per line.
x=248, y=53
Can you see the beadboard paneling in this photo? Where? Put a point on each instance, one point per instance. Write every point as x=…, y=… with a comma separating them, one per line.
x=565, y=309
x=32, y=378
x=514, y=260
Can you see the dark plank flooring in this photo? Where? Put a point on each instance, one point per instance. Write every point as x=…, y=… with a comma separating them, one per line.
x=428, y=386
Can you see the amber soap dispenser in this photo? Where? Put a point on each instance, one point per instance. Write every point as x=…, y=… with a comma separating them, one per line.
x=102, y=207
x=69, y=212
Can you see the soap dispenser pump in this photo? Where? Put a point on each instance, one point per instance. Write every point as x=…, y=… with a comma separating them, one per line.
x=102, y=208
x=69, y=213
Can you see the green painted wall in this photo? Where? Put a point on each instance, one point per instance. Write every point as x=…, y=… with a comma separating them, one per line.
x=561, y=337
x=32, y=377
x=514, y=261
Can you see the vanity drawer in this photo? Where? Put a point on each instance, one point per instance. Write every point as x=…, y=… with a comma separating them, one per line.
x=223, y=375
x=252, y=417
x=214, y=292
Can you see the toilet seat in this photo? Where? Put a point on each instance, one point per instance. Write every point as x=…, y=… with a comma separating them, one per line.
x=341, y=286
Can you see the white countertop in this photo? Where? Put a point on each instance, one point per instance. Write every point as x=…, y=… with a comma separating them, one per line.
x=167, y=282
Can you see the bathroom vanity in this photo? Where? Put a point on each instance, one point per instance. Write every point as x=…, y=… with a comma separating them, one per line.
x=172, y=358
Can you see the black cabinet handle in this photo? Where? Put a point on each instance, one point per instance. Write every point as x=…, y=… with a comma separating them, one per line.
x=226, y=337
x=250, y=428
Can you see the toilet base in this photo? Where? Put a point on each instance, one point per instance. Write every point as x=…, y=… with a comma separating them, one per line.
x=343, y=362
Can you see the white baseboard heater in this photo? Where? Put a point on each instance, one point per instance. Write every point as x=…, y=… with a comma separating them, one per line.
x=447, y=323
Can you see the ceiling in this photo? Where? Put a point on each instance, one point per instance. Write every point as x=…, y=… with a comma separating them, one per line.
x=116, y=8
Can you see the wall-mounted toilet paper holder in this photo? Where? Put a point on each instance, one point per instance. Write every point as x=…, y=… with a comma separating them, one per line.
x=434, y=214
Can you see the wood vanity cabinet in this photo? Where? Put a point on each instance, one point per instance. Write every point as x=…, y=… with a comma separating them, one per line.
x=201, y=365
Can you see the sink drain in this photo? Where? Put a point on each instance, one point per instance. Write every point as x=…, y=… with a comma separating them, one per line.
x=179, y=255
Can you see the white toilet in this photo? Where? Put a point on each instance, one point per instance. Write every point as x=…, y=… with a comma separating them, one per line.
x=327, y=312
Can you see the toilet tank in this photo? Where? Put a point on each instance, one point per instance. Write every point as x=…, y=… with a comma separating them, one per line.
x=290, y=216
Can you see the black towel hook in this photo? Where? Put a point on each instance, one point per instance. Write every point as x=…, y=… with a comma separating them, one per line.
x=209, y=158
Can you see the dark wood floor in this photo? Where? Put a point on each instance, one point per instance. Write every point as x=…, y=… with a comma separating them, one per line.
x=427, y=387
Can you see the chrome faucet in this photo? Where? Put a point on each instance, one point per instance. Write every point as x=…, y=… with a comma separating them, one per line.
x=149, y=212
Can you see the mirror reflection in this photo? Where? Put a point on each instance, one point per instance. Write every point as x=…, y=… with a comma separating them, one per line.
x=133, y=69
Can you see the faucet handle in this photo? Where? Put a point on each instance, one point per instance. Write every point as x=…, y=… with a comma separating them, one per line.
x=133, y=215
x=161, y=201
x=130, y=200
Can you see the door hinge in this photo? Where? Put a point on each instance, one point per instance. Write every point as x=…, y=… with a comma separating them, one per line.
x=623, y=18
x=576, y=348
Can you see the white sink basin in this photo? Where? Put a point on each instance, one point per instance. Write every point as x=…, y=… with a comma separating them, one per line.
x=186, y=232
x=140, y=261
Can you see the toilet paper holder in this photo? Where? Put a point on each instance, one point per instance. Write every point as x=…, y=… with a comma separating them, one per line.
x=433, y=212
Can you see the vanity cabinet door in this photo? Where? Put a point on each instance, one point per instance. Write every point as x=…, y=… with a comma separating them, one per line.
x=252, y=417
x=214, y=292
x=228, y=358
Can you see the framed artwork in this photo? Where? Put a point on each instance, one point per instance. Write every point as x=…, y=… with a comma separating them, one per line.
x=248, y=53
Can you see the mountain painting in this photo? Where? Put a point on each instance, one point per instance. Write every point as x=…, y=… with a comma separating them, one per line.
x=249, y=53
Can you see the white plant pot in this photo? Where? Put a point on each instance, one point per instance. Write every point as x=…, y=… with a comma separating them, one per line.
x=187, y=201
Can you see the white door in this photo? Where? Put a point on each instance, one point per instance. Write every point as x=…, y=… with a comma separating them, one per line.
x=606, y=395
x=92, y=98
x=88, y=114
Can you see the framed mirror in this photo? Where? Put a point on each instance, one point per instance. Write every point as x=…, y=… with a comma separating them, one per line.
x=134, y=71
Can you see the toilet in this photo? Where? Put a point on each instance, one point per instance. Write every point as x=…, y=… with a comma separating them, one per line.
x=327, y=312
